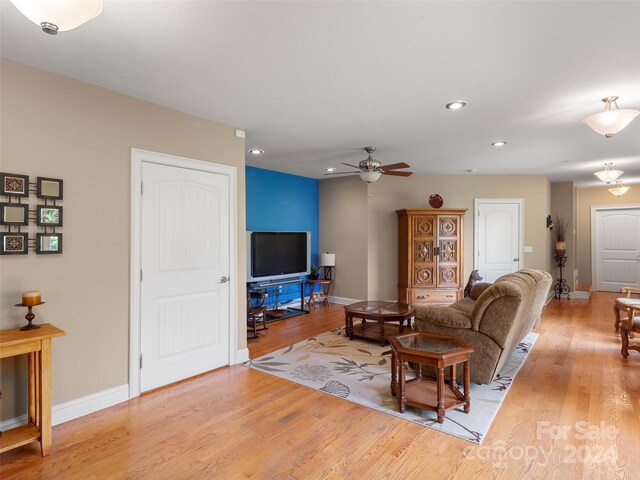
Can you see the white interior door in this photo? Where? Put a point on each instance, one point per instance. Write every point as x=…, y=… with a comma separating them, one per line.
x=498, y=235
x=617, y=249
x=184, y=301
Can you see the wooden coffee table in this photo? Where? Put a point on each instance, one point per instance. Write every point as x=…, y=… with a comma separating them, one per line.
x=439, y=351
x=387, y=318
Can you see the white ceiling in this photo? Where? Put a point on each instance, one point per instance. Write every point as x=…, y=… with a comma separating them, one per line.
x=314, y=82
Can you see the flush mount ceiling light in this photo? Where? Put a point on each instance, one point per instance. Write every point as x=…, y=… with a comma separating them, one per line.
x=330, y=169
x=256, y=151
x=619, y=189
x=609, y=174
x=457, y=105
x=55, y=16
x=611, y=121
x=501, y=143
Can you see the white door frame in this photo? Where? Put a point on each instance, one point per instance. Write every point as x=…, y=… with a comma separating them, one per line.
x=139, y=156
x=594, y=209
x=476, y=213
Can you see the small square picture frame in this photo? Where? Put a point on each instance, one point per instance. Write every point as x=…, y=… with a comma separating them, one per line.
x=48, y=243
x=14, y=243
x=14, y=185
x=49, y=188
x=8, y=210
x=49, y=216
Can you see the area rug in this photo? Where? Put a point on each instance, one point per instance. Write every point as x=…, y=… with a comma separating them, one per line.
x=360, y=371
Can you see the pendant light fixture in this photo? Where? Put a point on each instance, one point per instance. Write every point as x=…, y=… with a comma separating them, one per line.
x=55, y=16
x=611, y=121
x=609, y=174
x=619, y=189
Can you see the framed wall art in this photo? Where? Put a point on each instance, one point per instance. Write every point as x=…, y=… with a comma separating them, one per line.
x=49, y=188
x=14, y=243
x=49, y=243
x=14, y=185
x=14, y=214
x=49, y=216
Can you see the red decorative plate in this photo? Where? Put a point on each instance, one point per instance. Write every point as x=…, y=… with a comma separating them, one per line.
x=435, y=200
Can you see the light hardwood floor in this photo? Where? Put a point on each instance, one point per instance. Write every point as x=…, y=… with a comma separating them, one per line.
x=237, y=423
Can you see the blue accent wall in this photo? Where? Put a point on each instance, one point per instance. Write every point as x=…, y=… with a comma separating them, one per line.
x=285, y=202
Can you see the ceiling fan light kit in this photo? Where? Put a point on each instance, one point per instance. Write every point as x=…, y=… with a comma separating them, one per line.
x=609, y=174
x=370, y=169
x=611, y=120
x=55, y=16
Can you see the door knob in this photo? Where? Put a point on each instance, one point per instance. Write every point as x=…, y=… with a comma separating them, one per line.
x=223, y=279
x=516, y=259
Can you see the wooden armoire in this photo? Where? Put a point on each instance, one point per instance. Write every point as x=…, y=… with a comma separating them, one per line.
x=430, y=255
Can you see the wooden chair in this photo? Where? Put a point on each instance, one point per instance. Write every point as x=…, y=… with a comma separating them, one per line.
x=628, y=328
x=624, y=303
x=256, y=307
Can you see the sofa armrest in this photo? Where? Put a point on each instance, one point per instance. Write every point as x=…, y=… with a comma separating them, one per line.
x=443, y=316
x=478, y=288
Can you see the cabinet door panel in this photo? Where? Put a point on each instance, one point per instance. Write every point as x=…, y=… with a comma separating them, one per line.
x=423, y=226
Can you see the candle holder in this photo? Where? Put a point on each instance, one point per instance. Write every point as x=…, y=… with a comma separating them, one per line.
x=29, y=316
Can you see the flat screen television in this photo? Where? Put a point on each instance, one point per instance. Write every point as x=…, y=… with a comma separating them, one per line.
x=277, y=255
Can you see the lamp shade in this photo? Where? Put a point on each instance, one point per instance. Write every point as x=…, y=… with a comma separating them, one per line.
x=619, y=189
x=609, y=174
x=370, y=176
x=327, y=259
x=59, y=15
x=610, y=122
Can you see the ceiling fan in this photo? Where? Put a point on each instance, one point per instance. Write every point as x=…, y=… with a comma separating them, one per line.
x=371, y=169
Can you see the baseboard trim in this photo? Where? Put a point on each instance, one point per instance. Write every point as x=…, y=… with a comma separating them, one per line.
x=342, y=300
x=78, y=407
x=89, y=404
x=13, y=423
x=242, y=355
x=581, y=294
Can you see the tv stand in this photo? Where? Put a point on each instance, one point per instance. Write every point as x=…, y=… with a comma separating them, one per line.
x=290, y=311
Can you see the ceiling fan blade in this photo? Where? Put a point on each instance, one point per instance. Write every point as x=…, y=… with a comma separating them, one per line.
x=341, y=173
x=398, y=174
x=353, y=166
x=395, y=166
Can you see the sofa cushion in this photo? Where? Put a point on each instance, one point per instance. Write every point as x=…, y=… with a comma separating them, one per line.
x=478, y=288
x=502, y=288
x=483, y=360
x=443, y=316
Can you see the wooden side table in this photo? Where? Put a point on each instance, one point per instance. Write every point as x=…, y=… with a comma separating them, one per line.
x=440, y=351
x=325, y=284
x=387, y=318
x=37, y=345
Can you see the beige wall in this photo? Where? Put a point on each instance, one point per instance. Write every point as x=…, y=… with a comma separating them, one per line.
x=58, y=127
x=562, y=204
x=343, y=231
x=592, y=197
x=391, y=193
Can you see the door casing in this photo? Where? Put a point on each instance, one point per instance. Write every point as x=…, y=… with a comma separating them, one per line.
x=138, y=156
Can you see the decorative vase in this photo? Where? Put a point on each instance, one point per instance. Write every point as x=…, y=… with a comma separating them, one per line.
x=561, y=248
x=313, y=276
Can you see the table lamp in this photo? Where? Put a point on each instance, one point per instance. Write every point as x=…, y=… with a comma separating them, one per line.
x=328, y=261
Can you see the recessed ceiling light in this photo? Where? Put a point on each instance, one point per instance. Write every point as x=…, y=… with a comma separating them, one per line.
x=499, y=144
x=457, y=105
x=256, y=151
x=331, y=169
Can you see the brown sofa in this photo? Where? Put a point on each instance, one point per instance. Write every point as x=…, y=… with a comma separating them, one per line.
x=493, y=321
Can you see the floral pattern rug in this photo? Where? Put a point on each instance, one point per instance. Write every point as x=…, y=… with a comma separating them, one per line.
x=360, y=371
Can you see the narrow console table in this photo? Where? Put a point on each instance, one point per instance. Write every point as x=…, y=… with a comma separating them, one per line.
x=36, y=344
